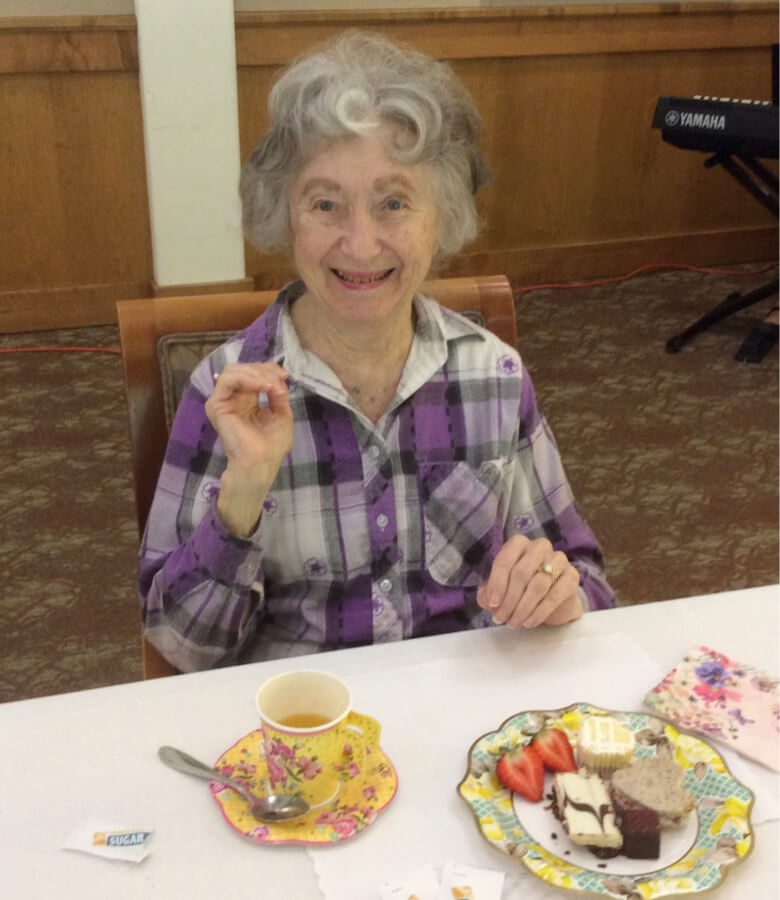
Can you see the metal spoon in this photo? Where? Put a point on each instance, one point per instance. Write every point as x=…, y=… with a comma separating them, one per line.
x=273, y=808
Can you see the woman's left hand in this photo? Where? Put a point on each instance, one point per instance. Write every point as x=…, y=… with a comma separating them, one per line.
x=531, y=584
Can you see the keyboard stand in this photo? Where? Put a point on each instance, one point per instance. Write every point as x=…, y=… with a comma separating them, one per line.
x=759, y=342
x=732, y=304
x=762, y=184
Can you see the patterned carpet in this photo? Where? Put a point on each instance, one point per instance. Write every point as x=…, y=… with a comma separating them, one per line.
x=674, y=460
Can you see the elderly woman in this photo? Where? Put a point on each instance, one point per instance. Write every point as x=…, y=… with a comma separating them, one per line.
x=361, y=464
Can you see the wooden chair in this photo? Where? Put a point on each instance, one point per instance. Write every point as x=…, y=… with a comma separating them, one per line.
x=142, y=323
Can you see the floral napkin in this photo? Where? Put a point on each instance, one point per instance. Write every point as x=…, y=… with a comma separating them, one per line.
x=723, y=699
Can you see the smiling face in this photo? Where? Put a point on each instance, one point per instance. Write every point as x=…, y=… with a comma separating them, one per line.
x=363, y=229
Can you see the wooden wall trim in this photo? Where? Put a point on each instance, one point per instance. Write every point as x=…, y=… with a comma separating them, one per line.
x=83, y=44
x=264, y=39
x=66, y=307
x=352, y=17
x=67, y=23
x=533, y=265
x=109, y=43
x=208, y=287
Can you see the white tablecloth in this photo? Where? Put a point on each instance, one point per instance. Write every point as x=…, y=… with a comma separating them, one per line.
x=69, y=757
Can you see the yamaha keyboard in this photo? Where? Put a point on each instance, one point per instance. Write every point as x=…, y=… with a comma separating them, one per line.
x=736, y=134
x=719, y=125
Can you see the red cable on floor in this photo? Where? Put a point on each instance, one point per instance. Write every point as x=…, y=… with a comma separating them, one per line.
x=645, y=268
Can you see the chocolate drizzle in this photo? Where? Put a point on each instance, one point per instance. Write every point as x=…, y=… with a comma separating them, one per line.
x=600, y=814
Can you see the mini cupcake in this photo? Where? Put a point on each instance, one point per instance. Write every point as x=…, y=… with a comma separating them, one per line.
x=604, y=745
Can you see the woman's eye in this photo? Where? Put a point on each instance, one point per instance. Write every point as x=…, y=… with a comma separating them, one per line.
x=394, y=204
x=324, y=205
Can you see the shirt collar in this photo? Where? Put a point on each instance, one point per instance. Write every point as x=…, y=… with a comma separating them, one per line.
x=273, y=337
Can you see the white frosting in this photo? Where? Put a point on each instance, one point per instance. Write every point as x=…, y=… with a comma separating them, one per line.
x=603, y=734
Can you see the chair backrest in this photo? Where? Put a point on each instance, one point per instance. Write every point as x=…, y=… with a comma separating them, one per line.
x=178, y=331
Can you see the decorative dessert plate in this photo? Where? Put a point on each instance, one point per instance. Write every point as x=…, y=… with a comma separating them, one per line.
x=694, y=858
x=364, y=793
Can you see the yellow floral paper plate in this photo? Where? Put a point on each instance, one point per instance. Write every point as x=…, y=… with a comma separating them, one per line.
x=694, y=858
x=363, y=795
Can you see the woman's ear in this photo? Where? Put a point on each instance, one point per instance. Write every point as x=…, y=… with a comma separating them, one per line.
x=438, y=261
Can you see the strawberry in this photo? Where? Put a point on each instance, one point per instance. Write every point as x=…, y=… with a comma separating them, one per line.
x=521, y=770
x=554, y=749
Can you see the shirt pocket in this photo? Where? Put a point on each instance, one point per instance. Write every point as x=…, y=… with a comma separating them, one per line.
x=463, y=531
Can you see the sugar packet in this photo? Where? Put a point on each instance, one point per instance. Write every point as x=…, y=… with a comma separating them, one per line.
x=127, y=844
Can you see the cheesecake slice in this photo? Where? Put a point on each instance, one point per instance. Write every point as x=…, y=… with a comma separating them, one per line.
x=584, y=807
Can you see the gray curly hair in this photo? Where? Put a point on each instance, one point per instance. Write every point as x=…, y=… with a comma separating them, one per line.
x=351, y=86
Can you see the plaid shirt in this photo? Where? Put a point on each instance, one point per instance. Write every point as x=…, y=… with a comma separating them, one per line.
x=371, y=532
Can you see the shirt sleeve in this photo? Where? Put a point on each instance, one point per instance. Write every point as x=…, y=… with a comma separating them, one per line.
x=200, y=585
x=541, y=502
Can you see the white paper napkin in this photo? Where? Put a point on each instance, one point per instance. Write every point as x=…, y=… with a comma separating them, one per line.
x=428, y=823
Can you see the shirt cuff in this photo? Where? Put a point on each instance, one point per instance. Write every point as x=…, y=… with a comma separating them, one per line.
x=227, y=559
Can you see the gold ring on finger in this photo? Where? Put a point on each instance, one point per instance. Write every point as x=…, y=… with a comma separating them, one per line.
x=548, y=569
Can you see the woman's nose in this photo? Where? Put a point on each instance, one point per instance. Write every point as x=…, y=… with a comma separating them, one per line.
x=361, y=235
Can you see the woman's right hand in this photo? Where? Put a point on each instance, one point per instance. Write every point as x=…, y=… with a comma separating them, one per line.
x=255, y=438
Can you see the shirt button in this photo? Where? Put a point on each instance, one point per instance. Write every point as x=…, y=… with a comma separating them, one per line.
x=385, y=585
x=382, y=520
x=373, y=451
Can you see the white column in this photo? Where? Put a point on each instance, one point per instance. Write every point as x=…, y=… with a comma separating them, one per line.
x=189, y=97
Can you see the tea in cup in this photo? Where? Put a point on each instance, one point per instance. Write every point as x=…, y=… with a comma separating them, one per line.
x=313, y=739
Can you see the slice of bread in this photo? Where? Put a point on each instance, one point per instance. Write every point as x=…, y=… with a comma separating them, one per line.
x=656, y=782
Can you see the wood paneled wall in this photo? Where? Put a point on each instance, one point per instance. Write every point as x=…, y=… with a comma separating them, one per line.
x=73, y=205
x=582, y=186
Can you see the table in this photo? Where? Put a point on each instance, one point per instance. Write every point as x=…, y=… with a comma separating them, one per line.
x=69, y=756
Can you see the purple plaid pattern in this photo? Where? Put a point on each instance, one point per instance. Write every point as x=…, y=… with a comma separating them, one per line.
x=371, y=532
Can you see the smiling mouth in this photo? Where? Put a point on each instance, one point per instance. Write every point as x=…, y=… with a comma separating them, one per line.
x=362, y=277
